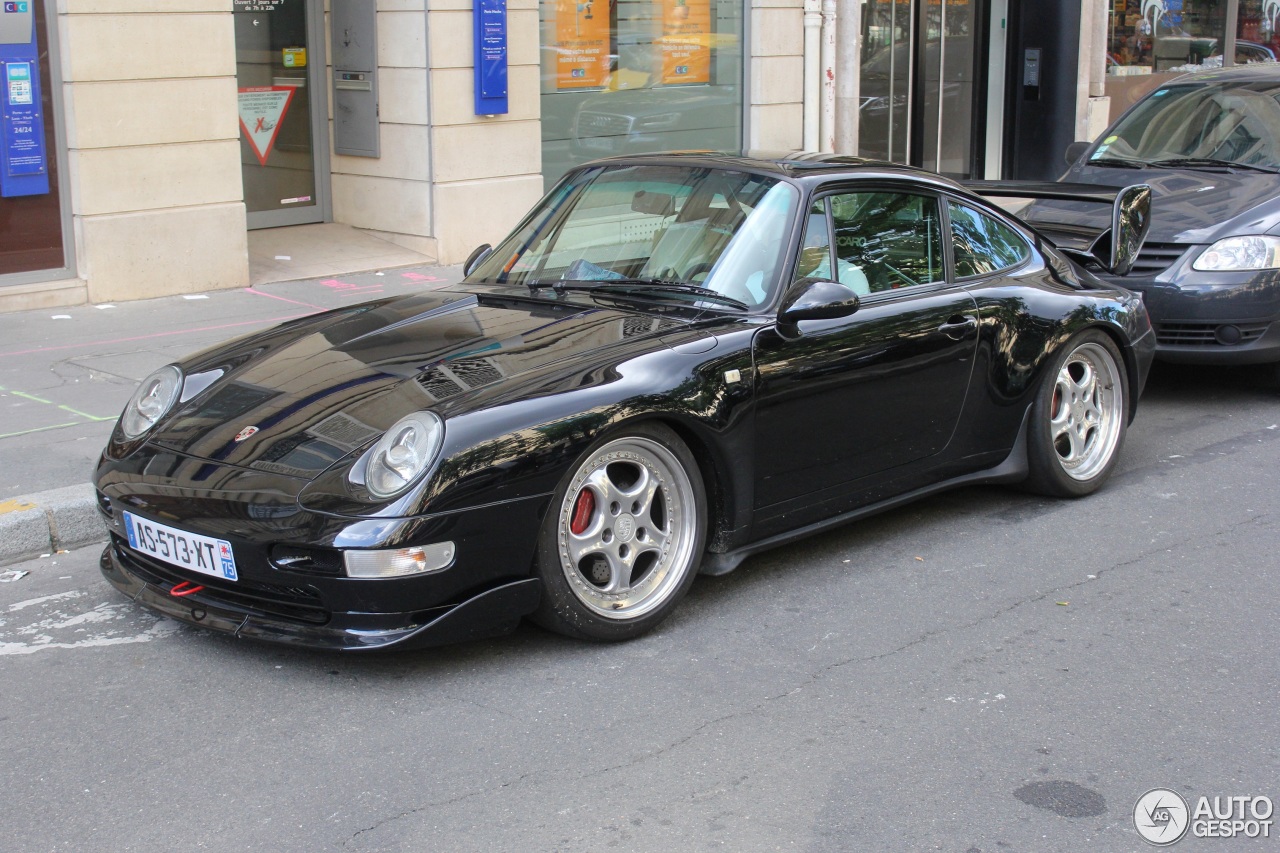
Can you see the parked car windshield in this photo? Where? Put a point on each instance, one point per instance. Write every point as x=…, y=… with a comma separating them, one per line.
x=1229, y=121
x=722, y=230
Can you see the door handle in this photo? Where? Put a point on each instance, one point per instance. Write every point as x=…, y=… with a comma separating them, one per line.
x=958, y=326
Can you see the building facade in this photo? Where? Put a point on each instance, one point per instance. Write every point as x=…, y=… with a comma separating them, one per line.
x=173, y=128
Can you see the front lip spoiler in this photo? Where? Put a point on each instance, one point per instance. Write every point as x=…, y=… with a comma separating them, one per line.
x=493, y=612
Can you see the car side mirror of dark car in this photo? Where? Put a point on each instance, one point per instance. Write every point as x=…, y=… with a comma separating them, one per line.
x=817, y=299
x=1075, y=151
x=474, y=259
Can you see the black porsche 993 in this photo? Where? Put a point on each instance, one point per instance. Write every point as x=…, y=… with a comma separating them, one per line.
x=673, y=362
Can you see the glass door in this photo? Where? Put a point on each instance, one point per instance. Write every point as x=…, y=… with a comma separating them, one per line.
x=918, y=92
x=947, y=115
x=283, y=111
x=888, y=63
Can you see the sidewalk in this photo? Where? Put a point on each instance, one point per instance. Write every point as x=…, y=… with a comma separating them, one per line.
x=66, y=373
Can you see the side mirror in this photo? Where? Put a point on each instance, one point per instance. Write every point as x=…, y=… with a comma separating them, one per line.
x=477, y=255
x=1075, y=151
x=1130, y=221
x=817, y=299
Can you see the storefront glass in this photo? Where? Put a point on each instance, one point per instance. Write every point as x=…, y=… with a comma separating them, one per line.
x=1258, y=32
x=917, y=83
x=630, y=76
x=31, y=236
x=1157, y=36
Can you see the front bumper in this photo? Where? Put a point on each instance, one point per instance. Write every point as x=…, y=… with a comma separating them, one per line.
x=304, y=598
x=495, y=611
x=1212, y=318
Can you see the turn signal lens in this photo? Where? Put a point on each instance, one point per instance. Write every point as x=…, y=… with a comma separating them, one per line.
x=400, y=562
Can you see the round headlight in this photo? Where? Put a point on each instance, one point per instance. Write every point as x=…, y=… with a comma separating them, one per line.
x=1257, y=252
x=149, y=403
x=402, y=455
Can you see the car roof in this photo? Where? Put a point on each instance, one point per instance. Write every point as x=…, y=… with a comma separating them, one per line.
x=1266, y=71
x=796, y=165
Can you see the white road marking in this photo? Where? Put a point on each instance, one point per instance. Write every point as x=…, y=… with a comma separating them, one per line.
x=50, y=623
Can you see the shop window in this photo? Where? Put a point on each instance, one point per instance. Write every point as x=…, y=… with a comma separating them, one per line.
x=31, y=236
x=634, y=76
x=1157, y=36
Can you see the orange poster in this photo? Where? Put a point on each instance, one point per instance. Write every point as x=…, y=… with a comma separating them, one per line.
x=686, y=41
x=582, y=44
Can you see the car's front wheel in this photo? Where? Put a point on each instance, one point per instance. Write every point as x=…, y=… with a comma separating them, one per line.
x=1078, y=419
x=623, y=537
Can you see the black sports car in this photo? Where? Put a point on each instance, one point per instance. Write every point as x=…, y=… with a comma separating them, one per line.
x=673, y=362
x=1208, y=144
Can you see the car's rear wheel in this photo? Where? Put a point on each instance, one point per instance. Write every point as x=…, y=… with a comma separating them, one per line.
x=1078, y=419
x=623, y=537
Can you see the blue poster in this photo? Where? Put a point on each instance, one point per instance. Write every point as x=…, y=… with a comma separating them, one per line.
x=491, y=56
x=24, y=162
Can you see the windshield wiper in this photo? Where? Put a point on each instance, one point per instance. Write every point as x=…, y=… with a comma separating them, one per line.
x=1116, y=163
x=638, y=285
x=1210, y=161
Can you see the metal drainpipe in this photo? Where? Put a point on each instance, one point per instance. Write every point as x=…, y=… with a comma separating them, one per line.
x=827, y=130
x=848, y=81
x=812, y=72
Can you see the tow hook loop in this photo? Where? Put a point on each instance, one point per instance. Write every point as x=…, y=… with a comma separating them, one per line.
x=184, y=588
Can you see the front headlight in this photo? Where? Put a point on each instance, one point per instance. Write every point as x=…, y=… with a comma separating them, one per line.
x=149, y=403
x=402, y=455
x=1258, y=252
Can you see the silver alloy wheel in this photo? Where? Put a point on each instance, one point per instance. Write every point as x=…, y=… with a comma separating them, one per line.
x=625, y=533
x=1086, y=411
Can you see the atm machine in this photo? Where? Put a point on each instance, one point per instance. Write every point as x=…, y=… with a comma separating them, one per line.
x=24, y=162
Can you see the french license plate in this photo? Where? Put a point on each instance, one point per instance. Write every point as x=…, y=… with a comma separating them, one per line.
x=176, y=547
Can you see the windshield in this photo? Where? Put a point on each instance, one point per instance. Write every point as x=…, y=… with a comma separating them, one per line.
x=1232, y=121
x=720, y=230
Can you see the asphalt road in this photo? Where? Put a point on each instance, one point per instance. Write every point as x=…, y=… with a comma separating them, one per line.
x=984, y=671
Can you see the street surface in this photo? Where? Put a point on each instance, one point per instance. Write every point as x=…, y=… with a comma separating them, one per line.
x=985, y=671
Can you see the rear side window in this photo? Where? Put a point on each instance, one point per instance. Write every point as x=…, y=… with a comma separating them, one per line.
x=983, y=245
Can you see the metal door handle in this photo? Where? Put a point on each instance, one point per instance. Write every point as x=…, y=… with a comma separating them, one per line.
x=958, y=326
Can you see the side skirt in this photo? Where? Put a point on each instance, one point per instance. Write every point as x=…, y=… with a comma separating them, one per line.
x=1013, y=469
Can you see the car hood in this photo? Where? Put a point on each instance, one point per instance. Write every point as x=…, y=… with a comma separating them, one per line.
x=1187, y=205
x=297, y=408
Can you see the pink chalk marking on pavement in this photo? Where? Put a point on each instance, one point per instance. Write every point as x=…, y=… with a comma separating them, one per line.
x=283, y=299
x=156, y=335
x=417, y=276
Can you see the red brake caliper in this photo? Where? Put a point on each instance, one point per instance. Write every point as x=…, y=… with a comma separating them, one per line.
x=583, y=507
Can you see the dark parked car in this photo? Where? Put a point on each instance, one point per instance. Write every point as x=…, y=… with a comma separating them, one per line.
x=673, y=362
x=1208, y=144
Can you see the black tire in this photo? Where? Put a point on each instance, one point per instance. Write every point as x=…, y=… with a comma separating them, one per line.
x=615, y=564
x=1079, y=418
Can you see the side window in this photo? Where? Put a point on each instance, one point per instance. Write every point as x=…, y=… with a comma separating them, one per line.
x=983, y=245
x=815, y=251
x=886, y=240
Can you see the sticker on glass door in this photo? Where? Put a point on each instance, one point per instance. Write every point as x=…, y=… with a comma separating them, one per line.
x=262, y=109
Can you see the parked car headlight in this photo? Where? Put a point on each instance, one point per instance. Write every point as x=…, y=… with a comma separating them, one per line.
x=1257, y=252
x=402, y=455
x=154, y=397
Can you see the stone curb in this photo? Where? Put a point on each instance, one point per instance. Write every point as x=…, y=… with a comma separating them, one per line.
x=46, y=522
